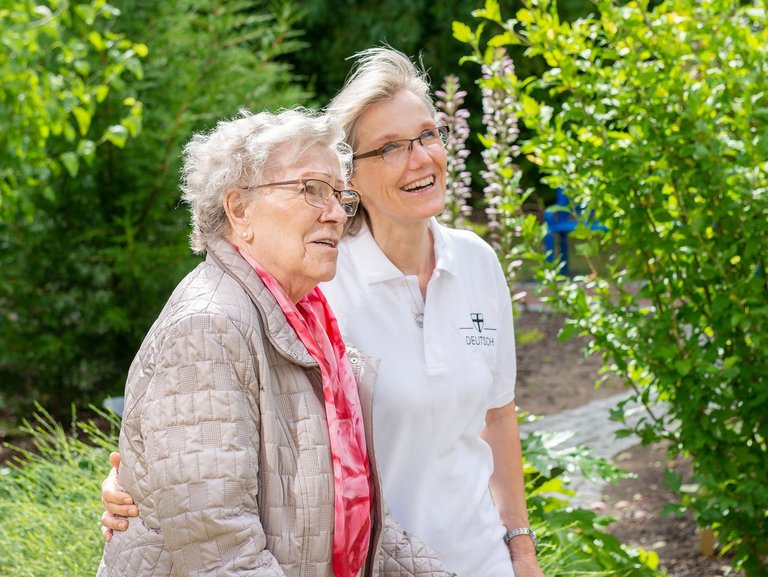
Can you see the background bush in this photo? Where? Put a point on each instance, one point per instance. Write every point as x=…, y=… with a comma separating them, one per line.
x=93, y=252
x=656, y=122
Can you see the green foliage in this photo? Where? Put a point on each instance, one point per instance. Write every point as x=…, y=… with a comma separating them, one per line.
x=66, y=101
x=84, y=279
x=49, y=502
x=574, y=541
x=336, y=29
x=59, y=63
x=656, y=119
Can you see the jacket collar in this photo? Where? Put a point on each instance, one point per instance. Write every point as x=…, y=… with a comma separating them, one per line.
x=222, y=253
x=373, y=265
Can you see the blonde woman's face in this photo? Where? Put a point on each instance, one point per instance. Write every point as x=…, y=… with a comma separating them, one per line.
x=412, y=188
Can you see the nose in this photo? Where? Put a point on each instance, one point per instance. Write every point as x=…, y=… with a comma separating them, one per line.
x=419, y=153
x=333, y=212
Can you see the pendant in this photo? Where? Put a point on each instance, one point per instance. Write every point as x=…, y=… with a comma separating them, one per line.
x=419, y=319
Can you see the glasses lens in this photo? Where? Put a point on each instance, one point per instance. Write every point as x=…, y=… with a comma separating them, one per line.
x=395, y=150
x=317, y=193
x=435, y=137
x=443, y=130
x=349, y=202
x=432, y=137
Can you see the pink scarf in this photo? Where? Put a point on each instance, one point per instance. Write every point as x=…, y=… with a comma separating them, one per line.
x=316, y=326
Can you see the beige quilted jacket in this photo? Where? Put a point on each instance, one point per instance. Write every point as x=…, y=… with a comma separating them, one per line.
x=225, y=446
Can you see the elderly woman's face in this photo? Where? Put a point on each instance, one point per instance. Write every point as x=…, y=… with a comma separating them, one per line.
x=411, y=187
x=297, y=243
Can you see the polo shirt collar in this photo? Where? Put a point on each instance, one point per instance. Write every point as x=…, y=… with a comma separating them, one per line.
x=373, y=265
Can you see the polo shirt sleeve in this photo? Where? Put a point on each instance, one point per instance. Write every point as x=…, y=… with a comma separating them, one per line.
x=505, y=371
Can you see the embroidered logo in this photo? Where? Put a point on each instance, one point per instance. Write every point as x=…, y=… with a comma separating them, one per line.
x=476, y=338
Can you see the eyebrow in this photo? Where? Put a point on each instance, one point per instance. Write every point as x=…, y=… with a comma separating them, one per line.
x=316, y=176
x=391, y=137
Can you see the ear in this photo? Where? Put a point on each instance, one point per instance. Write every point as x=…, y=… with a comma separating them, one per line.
x=234, y=206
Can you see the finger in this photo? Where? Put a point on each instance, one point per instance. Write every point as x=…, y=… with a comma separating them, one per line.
x=106, y=533
x=114, y=495
x=120, y=510
x=113, y=492
x=113, y=522
x=114, y=460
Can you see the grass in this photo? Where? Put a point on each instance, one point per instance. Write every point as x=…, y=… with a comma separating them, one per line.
x=50, y=502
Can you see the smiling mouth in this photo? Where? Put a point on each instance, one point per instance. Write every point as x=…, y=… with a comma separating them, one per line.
x=327, y=242
x=419, y=184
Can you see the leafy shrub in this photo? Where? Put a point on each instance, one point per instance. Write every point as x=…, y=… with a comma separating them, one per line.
x=58, y=64
x=85, y=277
x=574, y=541
x=656, y=121
x=66, y=99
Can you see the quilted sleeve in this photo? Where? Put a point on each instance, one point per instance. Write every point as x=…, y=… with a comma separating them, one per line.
x=403, y=554
x=200, y=421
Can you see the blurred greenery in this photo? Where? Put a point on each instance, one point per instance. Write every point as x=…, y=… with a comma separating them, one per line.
x=655, y=118
x=87, y=267
x=61, y=66
x=98, y=99
x=50, y=499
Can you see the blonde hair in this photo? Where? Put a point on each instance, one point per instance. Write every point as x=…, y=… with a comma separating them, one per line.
x=240, y=153
x=378, y=74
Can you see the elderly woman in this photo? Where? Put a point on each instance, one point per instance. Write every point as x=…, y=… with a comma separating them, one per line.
x=243, y=440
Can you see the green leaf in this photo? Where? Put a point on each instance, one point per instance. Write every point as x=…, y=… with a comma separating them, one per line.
x=101, y=93
x=86, y=150
x=683, y=366
x=70, y=162
x=506, y=39
x=117, y=134
x=530, y=106
x=96, y=40
x=491, y=11
x=525, y=16
x=83, y=118
x=462, y=32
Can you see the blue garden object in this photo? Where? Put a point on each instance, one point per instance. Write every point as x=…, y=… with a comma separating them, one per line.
x=561, y=219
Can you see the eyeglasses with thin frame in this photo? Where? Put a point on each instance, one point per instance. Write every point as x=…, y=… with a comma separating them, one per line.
x=318, y=193
x=398, y=150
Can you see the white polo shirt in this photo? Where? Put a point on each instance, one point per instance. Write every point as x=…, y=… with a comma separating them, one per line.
x=434, y=388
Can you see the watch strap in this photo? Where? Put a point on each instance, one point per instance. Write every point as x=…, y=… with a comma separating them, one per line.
x=512, y=533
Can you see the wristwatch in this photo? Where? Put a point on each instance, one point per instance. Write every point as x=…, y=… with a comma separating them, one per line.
x=512, y=533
